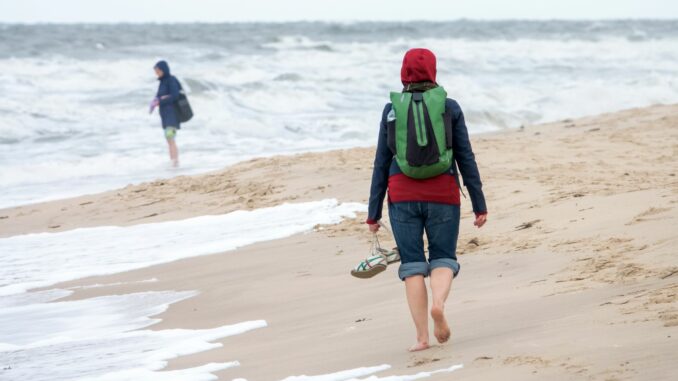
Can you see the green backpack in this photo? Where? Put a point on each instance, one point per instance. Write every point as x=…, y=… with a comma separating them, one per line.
x=420, y=135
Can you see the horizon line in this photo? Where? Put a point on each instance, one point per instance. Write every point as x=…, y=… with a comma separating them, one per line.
x=329, y=21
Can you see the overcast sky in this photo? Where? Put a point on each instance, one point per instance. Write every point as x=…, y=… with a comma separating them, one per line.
x=335, y=10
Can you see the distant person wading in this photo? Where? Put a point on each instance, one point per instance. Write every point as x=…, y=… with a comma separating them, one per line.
x=168, y=93
x=421, y=137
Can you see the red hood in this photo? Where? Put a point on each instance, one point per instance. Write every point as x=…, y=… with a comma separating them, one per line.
x=419, y=65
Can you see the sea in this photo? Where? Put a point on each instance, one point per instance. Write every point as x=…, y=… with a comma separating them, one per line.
x=74, y=98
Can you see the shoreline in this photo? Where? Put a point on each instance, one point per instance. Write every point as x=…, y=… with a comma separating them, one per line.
x=574, y=276
x=150, y=201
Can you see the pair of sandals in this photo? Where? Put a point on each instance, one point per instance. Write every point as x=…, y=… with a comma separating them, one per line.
x=377, y=261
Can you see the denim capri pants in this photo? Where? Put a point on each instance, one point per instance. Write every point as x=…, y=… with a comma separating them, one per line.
x=409, y=221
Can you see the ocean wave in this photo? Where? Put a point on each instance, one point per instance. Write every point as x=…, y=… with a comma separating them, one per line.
x=92, y=41
x=77, y=119
x=299, y=43
x=291, y=77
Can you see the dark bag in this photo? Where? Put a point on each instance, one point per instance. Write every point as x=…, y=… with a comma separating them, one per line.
x=184, y=111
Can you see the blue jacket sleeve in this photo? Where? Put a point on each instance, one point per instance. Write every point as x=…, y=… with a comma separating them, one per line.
x=466, y=160
x=174, y=89
x=382, y=163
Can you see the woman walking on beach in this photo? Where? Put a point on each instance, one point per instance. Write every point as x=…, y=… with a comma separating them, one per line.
x=421, y=137
x=168, y=93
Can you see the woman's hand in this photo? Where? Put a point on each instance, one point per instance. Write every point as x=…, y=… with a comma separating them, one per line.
x=373, y=228
x=154, y=103
x=480, y=220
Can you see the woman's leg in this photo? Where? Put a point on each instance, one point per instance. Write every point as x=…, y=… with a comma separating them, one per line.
x=173, y=151
x=442, y=230
x=170, y=135
x=417, y=299
x=441, y=282
x=408, y=231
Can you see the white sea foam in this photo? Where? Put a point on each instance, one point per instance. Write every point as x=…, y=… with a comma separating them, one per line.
x=355, y=374
x=103, y=339
x=36, y=260
x=23, y=299
x=99, y=285
x=343, y=375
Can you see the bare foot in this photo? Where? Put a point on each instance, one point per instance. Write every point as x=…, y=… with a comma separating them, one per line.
x=419, y=347
x=440, y=328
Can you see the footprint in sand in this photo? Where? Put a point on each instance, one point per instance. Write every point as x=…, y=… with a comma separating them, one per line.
x=422, y=361
x=645, y=216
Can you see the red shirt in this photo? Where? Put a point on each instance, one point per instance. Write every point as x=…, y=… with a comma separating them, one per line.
x=442, y=189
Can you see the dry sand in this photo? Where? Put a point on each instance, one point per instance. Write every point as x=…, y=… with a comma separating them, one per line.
x=575, y=276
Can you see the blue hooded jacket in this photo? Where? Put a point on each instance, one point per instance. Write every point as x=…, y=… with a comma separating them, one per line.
x=170, y=86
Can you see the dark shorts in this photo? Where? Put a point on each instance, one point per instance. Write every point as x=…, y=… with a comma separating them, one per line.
x=440, y=222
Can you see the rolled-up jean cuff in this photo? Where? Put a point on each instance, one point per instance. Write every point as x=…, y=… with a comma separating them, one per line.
x=412, y=268
x=445, y=262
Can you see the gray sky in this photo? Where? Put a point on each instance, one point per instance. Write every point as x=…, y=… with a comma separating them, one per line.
x=336, y=10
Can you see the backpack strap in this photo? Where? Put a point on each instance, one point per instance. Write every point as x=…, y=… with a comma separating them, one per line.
x=419, y=119
x=449, y=133
x=391, y=131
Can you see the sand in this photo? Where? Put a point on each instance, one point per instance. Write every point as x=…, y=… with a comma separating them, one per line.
x=574, y=277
